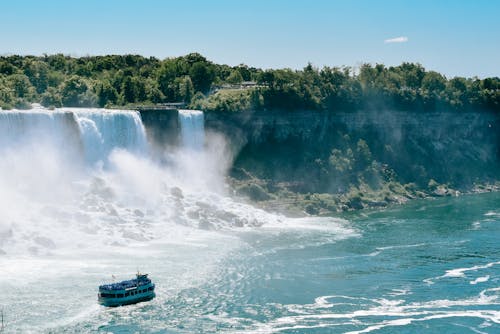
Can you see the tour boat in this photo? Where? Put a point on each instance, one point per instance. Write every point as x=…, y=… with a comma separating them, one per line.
x=127, y=292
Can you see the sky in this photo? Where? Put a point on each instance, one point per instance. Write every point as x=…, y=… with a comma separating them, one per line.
x=454, y=37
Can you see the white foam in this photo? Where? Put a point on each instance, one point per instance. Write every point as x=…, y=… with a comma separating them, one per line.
x=460, y=272
x=322, y=302
x=323, y=313
x=492, y=213
x=480, y=280
x=401, y=246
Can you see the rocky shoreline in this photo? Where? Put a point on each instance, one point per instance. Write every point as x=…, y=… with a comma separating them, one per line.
x=276, y=197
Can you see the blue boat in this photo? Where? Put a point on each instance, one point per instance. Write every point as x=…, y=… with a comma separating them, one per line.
x=127, y=292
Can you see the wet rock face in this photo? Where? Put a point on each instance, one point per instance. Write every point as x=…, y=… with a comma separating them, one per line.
x=447, y=146
x=278, y=154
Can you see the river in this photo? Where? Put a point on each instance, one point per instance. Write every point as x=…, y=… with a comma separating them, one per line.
x=220, y=264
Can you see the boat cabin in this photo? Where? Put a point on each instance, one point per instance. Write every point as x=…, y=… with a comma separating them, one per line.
x=127, y=292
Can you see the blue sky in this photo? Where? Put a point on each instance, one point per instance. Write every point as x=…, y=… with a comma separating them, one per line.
x=455, y=37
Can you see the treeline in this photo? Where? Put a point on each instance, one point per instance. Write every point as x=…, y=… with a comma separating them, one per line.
x=106, y=81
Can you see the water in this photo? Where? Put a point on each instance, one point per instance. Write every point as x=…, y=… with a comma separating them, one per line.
x=103, y=131
x=192, y=134
x=96, y=132
x=221, y=265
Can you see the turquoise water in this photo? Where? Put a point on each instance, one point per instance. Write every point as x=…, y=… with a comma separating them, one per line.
x=70, y=222
x=426, y=267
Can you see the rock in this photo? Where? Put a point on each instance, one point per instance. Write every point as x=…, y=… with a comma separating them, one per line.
x=99, y=188
x=177, y=192
x=254, y=192
x=193, y=214
x=441, y=191
x=311, y=209
x=134, y=236
x=225, y=215
x=206, y=225
x=45, y=242
x=240, y=222
x=376, y=204
x=256, y=223
x=355, y=203
x=138, y=213
x=112, y=211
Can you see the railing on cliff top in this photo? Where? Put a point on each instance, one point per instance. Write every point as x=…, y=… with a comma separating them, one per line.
x=163, y=106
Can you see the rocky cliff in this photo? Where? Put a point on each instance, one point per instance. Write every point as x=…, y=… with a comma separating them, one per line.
x=329, y=161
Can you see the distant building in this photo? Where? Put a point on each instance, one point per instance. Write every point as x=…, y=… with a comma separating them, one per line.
x=248, y=84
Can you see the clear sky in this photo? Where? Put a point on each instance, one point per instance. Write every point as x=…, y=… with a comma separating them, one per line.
x=455, y=37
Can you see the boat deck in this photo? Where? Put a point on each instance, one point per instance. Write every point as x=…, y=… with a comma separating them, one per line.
x=123, y=285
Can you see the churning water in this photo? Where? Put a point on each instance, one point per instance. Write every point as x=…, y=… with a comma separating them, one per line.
x=81, y=199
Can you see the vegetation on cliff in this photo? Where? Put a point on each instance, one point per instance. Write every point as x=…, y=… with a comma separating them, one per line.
x=59, y=80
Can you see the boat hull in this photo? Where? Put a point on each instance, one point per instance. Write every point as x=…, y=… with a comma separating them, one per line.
x=114, y=302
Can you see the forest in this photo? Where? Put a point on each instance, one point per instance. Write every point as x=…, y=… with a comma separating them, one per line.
x=129, y=80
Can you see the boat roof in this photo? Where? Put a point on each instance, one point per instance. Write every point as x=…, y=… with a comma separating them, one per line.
x=123, y=285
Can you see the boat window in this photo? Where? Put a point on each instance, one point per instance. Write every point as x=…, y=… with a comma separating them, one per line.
x=107, y=295
x=120, y=295
x=127, y=294
x=150, y=288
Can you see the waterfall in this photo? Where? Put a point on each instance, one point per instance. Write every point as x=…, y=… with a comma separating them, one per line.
x=90, y=132
x=104, y=130
x=38, y=127
x=192, y=129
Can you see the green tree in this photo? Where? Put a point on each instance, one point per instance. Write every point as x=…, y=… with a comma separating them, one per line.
x=38, y=74
x=7, y=68
x=235, y=77
x=106, y=94
x=202, y=76
x=433, y=82
x=73, y=92
x=6, y=96
x=185, y=89
x=245, y=71
x=51, y=98
x=22, y=86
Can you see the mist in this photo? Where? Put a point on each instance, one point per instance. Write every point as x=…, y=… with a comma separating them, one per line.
x=86, y=179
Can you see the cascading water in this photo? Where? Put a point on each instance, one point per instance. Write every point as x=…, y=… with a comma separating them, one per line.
x=32, y=127
x=192, y=129
x=95, y=131
x=102, y=131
